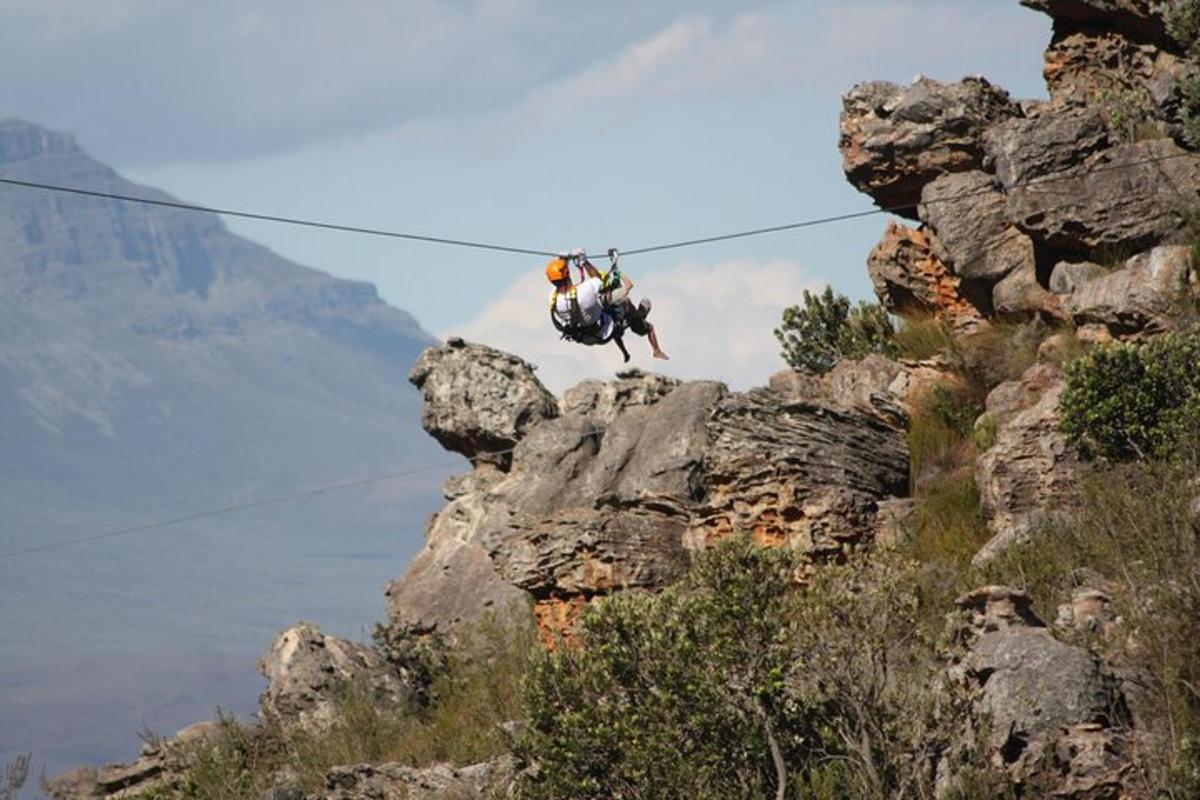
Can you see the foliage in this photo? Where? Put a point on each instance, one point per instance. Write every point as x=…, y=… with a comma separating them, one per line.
x=679, y=695
x=422, y=657
x=739, y=681
x=1128, y=401
x=1128, y=113
x=827, y=329
x=1135, y=533
x=1183, y=23
x=15, y=774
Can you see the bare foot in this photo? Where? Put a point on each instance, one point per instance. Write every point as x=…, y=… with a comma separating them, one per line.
x=661, y=355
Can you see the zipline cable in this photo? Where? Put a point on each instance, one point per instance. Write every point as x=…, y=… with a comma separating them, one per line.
x=454, y=242
x=474, y=459
x=307, y=223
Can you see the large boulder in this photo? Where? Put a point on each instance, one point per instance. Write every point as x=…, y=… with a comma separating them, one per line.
x=1130, y=196
x=1029, y=472
x=1151, y=294
x=973, y=236
x=1051, y=140
x=1052, y=711
x=974, y=239
x=895, y=139
x=479, y=400
x=909, y=278
x=307, y=671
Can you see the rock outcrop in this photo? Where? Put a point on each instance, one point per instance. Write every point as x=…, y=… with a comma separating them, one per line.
x=1008, y=190
x=1151, y=294
x=1029, y=471
x=154, y=770
x=615, y=491
x=307, y=669
x=484, y=405
x=910, y=279
x=895, y=139
x=1054, y=715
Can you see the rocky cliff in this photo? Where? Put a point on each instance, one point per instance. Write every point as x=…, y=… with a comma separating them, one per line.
x=1069, y=217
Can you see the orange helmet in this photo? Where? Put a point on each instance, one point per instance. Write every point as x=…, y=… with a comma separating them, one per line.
x=557, y=270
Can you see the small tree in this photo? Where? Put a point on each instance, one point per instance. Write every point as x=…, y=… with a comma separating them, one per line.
x=827, y=329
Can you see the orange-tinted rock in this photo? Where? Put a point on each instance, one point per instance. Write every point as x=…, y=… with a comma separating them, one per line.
x=910, y=279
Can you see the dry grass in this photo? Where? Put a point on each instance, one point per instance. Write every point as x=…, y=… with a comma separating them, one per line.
x=479, y=692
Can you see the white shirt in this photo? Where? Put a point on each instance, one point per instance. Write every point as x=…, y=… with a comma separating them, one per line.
x=587, y=294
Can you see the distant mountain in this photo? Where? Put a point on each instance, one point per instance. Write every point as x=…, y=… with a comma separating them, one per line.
x=153, y=364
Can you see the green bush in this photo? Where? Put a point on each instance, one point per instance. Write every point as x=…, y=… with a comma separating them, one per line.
x=740, y=681
x=1128, y=401
x=827, y=329
x=1183, y=23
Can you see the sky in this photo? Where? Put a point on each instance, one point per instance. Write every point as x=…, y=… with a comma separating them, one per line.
x=533, y=123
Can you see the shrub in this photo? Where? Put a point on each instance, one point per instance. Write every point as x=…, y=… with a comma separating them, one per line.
x=827, y=329
x=1128, y=401
x=741, y=682
x=1183, y=24
x=679, y=695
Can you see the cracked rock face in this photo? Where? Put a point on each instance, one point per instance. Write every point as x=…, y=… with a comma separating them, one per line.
x=895, y=139
x=1029, y=471
x=910, y=278
x=1130, y=196
x=478, y=400
x=616, y=491
x=306, y=669
x=1151, y=294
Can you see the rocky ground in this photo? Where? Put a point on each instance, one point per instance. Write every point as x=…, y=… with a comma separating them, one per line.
x=1060, y=213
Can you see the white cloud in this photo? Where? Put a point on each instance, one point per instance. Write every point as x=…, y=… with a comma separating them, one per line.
x=716, y=322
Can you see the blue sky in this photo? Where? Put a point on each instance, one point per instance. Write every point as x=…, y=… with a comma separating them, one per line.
x=525, y=122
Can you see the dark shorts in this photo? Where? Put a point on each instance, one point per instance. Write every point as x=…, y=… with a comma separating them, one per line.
x=635, y=320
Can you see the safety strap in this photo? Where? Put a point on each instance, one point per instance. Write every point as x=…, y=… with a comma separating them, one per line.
x=576, y=327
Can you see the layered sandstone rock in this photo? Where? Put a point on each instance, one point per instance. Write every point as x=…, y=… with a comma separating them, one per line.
x=1029, y=471
x=910, y=279
x=614, y=492
x=895, y=139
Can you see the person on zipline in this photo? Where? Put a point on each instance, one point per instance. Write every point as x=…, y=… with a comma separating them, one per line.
x=597, y=310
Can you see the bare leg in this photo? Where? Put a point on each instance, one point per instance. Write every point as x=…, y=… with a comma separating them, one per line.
x=652, y=335
x=621, y=345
